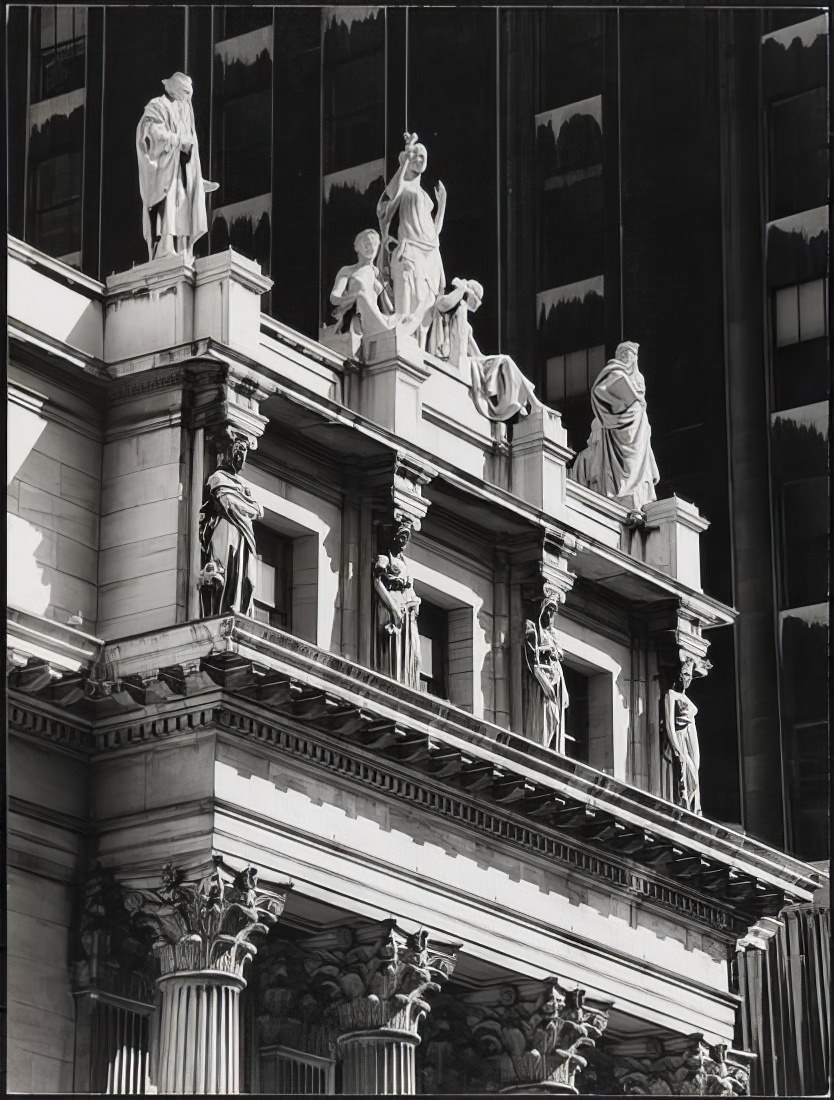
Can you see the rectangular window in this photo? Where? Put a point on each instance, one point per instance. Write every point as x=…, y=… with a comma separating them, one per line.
x=805, y=545
x=56, y=188
x=433, y=625
x=812, y=778
x=797, y=154
x=59, y=39
x=273, y=594
x=577, y=714
x=244, y=153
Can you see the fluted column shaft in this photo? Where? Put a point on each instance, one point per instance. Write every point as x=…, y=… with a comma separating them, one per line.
x=379, y=1062
x=199, y=1032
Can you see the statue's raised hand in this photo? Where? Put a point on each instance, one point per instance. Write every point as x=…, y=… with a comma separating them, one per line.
x=440, y=193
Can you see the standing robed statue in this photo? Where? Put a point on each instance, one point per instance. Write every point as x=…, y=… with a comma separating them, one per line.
x=170, y=174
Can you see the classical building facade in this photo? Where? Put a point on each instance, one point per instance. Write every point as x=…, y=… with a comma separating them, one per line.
x=378, y=722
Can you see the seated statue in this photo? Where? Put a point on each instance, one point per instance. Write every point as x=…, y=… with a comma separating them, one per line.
x=618, y=460
x=499, y=390
x=362, y=303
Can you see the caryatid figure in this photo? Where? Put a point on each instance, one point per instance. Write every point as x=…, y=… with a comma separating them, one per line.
x=227, y=538
x=681, y=755
x=412, y=257
x=170, y=174
x=546, y=698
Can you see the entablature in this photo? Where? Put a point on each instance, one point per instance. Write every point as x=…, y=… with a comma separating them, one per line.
x=234, y=674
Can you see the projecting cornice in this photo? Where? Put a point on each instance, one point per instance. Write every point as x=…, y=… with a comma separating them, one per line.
x=248, y=680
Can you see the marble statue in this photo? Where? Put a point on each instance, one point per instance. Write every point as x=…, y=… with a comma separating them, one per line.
x=681, y=756
x=362, y=303
x=546, y=698
x=499, y=389
x=618, y=460
x=412, y=258
x=170, y=175
x=229, y=574
x=398, y=605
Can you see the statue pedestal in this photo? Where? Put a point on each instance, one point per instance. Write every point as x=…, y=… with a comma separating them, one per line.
x=346, y=344
x=673, y=531
x=391, y=379
x=540, y=453
x=227, y=300
x=149, y=308
x=173, y=300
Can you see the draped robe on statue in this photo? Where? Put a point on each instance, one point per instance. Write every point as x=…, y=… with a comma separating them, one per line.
x=682, y=738
x=228, y=540
x=170, y=179
x=499, y=389
x=416, y=265
x=618, y=461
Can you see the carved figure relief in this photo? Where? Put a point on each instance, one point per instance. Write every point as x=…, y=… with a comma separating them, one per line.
x=499, y=389
x=618, y=460
x=546, y=697
x=170, y=174
x=398, y=605
x=410, y=257
x=363, y=304
x=681, y=757
x=227, y=539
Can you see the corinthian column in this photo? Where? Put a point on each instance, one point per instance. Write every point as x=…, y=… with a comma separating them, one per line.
x=204, y=946
x=385, y=980
x=541, y=1035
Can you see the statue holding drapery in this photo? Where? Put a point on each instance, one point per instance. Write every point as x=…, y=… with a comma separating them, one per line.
x=546, y=697
x=410, y=257
x=498, y=388
x=227, y=539
x=618, y=460
x=681, y=756
x=170, y=174
x=398, y=605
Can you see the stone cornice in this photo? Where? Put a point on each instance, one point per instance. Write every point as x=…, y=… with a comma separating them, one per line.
x=283, y=677
x=55, y=269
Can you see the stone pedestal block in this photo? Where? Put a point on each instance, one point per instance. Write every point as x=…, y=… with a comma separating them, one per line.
x=673, y=528
x=199, y=1033
x=539, y=457
x=347, y=343
x=227, y=302
x=379, y=1063
x=391, y=379
x=149, y=308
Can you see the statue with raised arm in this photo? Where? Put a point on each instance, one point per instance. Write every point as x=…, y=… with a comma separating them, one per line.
x=681, y=756
x=170, y=174
x=227, y=539
x=362, y=303
x=618, y=460
x=398, y=605
x=411, y=256
x=498, y=388
x=546, y=697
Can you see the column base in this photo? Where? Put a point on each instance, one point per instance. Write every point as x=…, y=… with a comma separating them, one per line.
x=550, y=1087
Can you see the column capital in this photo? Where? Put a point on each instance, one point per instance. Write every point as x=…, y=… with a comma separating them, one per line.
x=386, y=976
x=225, y=399
x=395, y=486
x=686, y=1065
x=542, y=1031
x=208, y=925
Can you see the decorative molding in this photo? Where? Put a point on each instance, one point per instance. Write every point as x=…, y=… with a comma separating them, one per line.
x=684, y=1066
x=208, y=925
x=541, y=1033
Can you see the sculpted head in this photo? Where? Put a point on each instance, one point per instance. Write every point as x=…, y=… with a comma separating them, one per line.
x=366, y=244
x=626, y=354
x=238, y=452
x=178, y=86
x=687, y=669
x=402, y=534
x=474, y=295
